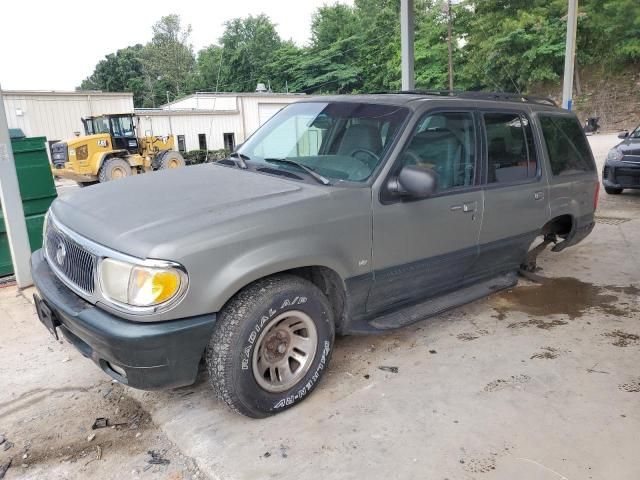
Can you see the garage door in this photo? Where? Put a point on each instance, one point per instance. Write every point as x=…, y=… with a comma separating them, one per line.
x=268, y=110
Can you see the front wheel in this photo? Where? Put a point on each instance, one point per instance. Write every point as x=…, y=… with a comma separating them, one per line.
x=170, y=159
x=613, y=191
x=271, y=345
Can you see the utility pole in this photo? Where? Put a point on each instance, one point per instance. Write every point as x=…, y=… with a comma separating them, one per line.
x=12, y=206
x=449, y=44
x=406, y=44
x=569, y=54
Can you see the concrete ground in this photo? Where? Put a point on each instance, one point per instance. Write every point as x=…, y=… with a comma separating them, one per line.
x=539, y=382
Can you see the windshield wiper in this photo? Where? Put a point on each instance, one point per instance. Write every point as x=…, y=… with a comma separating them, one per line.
x=240, y=160
x=316, y=176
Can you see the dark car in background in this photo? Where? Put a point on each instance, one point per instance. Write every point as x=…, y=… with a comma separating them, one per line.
x=622, y=166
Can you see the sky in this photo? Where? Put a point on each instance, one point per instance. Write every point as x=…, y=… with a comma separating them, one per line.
x=54, y=45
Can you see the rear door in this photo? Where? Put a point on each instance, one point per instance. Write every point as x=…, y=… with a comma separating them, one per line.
x=424, y=247
x=515, y=192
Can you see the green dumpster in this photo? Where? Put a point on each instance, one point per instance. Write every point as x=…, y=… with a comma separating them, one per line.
x=36, y=189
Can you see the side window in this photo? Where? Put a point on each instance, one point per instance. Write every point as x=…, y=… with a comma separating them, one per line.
x=511, y=153
x=445, y=143
x=568, y=149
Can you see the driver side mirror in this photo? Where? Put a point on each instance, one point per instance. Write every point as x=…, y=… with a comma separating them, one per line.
x=414, y=181
x=624, y=134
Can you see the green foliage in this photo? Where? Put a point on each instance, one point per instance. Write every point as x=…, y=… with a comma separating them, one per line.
x=193, y=157
x=248, y=46
x=506, y=45
x=119, y=72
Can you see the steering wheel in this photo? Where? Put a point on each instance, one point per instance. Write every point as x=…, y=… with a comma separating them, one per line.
x=374, y=156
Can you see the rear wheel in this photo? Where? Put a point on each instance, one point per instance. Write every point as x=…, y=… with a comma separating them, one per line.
x=270, y=346
x=170, y=159
x=113, y=169
x=613, y=191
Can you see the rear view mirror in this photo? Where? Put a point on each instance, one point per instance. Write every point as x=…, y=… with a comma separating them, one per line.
x=624, y=134
x=414, y=181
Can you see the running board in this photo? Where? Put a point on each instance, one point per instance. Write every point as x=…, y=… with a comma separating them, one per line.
x=434, y=306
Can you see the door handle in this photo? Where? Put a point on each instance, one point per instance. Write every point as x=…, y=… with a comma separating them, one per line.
x=469, y=207
x=538, y=195
x=455, y=208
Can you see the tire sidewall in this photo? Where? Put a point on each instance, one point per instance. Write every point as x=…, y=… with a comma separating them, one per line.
x=313, y=304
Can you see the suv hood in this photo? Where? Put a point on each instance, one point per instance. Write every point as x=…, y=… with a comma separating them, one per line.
x=137, y=215
x=630, y=147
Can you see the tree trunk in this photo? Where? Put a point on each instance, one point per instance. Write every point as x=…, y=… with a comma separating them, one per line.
x=576, y=78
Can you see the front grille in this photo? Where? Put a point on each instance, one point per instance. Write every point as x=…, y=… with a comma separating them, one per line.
x=59, y=154
x=605, y=172
x=69, y=259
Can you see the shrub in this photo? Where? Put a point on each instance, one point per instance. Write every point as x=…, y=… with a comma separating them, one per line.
x=193, y=157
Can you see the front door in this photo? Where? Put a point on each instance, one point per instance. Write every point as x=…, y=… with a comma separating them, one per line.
x=123, y=133
x=424, y=247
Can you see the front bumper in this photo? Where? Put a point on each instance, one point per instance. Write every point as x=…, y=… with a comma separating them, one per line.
x=621, y=175
x=151, y=355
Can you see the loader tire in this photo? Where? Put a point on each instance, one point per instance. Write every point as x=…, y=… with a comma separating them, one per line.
x=113, y=169
x=170, y=159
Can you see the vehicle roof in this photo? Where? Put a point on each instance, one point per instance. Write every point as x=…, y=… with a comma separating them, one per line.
x=477, y=99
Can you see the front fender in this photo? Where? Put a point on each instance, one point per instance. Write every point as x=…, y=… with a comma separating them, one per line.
x=285, y=254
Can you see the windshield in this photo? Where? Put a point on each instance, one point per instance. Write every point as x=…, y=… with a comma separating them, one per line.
x=635, y=133
x=338, y=140
x=100, y=125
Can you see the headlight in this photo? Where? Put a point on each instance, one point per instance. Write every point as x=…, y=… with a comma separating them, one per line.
x=615, y=155
x=140, y=286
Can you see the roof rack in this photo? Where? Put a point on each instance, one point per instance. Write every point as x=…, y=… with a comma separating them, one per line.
x=505, y=96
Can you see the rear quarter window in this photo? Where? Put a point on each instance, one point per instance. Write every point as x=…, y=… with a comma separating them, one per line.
x=569, y=152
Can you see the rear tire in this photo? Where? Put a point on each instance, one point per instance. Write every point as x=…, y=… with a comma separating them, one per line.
x=613, y=191
x=114, y=168
x=271, y=345
x=171, y=159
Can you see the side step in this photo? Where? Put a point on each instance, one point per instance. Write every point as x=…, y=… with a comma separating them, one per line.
x=414, y=313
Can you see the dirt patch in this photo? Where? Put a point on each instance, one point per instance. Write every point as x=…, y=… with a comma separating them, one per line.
x=547, y=353
x=632, y=387
x=534, y=322
x=501, y=384
x=480, y=465
x=467, y=337
x=622, y=339
x=56, y=433
x=563, y=296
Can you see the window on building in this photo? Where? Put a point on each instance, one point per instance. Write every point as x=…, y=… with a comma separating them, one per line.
x=182, y=147
x=202, y=141
x=445, y=143
x=229, y=141
x=511, y=151
x=568, y=150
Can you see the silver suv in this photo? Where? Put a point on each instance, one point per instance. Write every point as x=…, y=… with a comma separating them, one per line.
x=348, y=214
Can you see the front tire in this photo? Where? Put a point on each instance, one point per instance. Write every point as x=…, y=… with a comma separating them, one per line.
x=114, y=168
x=170, y=159
x=271, y=345
x=613, y=191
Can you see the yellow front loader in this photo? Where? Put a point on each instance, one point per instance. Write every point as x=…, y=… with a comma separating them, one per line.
x=110, y=149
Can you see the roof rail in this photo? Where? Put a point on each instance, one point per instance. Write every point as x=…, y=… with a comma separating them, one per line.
x=505, y=96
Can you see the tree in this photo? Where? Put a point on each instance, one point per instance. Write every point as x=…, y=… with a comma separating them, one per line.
x=248, y=46
x=208, y=68
x=169, y=58
x=119, y=72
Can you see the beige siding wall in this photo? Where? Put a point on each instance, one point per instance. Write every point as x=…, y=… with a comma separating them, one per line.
x=191, y=124
x=56, y=115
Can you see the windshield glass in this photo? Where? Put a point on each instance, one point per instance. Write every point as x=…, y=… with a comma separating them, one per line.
x=339, y=140
x=100, y=125
x=122, y=127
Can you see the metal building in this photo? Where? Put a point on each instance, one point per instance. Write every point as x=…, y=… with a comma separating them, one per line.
x=213, y=120
x=56, y=115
